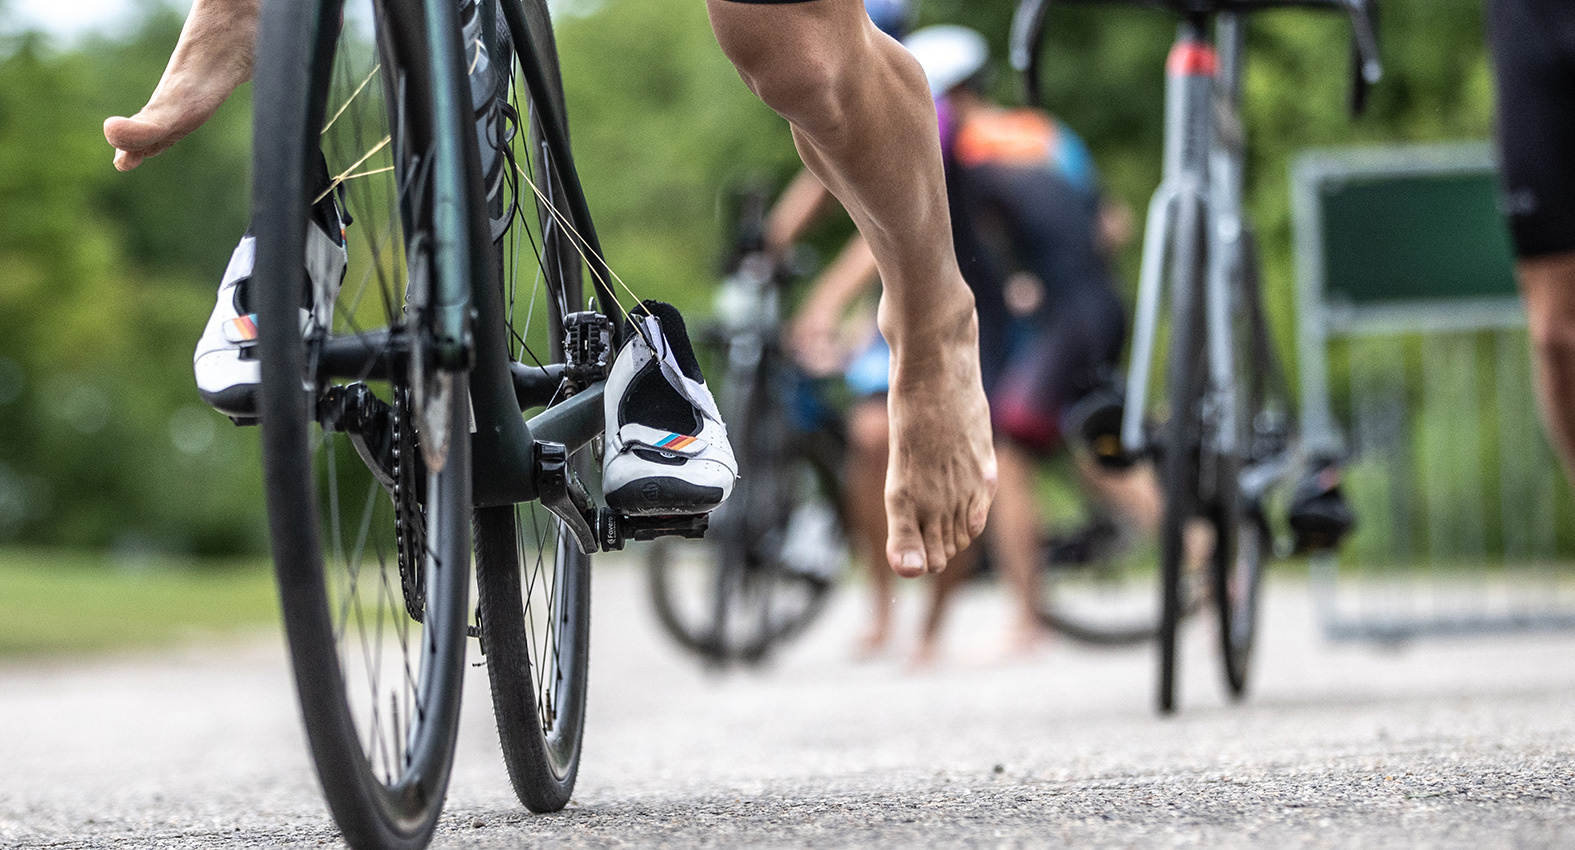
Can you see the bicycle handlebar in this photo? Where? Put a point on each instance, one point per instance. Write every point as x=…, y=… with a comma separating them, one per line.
x=1028, y=31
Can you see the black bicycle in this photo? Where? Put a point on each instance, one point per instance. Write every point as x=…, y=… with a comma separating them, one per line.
x=444, y=397
x=776, y=548
x=1229, y=436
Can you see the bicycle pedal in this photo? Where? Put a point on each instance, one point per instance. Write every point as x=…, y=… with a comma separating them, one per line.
x=243, y=421
x=615, y=529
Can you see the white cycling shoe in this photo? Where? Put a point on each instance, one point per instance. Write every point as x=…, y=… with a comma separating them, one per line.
x=667, y=452
x=225, y=362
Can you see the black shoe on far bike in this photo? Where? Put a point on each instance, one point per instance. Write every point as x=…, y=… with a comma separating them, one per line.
x=1319, y=516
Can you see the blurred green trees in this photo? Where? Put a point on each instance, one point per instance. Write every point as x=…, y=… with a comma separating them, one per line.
x=107, y=278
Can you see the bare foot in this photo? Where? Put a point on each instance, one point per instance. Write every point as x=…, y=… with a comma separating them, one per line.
x=871, y=644
x=925, y=656
x=942, y=473
x=213, y=57
x=1025, y=639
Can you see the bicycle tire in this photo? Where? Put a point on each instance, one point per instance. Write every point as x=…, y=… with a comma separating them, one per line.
x=1238, y=571
x=384, y=773
x=1095, y=619
x=1185, y=380
x=533, y=581
x=756, y=593
x=1105, y=610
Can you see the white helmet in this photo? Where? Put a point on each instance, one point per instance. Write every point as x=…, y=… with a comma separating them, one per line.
x=949, y=55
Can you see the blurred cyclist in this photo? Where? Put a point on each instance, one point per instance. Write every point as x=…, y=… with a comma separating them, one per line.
x=1533, y=47
x=1027, y=222
x=863, y=123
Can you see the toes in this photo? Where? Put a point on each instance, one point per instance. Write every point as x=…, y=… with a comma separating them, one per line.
x=963, y=532
x=904, y=545
x=935, y=547
x=131, y=134
x=126, y=160
x=979, y=508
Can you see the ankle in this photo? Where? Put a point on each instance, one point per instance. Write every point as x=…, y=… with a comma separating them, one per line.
x=936, y=343
x=944, y=313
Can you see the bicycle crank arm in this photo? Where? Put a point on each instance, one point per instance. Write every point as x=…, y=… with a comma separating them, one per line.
x=1258, y=477
x=561, y=493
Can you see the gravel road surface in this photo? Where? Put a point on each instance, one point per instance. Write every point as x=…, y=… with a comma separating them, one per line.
x=1443, y=744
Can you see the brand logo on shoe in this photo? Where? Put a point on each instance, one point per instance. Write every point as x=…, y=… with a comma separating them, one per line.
x=651, y=492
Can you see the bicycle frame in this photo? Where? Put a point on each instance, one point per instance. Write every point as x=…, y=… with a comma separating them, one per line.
x=1203, y=148
x=512, y=458
x=1203, y=161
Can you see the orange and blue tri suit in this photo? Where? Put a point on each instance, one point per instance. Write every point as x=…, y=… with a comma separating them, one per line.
x=1024, y=197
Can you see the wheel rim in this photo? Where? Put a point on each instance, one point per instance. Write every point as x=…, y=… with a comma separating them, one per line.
x=538, y=668
x=1098, y=589
x=382, y=509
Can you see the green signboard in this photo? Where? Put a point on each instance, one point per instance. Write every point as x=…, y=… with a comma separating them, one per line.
x=1413, y=236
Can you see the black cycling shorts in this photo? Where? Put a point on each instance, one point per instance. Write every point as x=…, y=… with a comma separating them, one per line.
x=1056, y=366
x=1533, y=45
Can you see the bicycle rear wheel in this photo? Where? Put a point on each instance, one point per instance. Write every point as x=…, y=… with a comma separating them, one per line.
x=1262, y=422
x=1186, y=379
x=368, y=475
x=533, y=581
x=1092, y=589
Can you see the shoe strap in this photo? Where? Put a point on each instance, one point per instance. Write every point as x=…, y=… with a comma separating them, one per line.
x=242, y=260
x=642, y=436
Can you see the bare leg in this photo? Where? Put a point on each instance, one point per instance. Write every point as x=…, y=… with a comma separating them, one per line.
x=1014, y=538
x=865, y=125
x=864, y=499
x=1134, y=494
x=1548, y=285
x=213, y=57
x=942, y=588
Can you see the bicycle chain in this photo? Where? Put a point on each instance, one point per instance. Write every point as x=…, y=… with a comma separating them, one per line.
x=409, y=513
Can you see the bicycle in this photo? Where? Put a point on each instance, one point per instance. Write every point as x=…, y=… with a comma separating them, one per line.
x=393, y=427
x=1228, y=437
x=773, y=552
x=1088, y=579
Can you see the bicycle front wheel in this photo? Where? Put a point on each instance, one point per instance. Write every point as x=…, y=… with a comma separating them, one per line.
x=766, y=567
x=1186, y=379
x=765, y=571
x=365, y=438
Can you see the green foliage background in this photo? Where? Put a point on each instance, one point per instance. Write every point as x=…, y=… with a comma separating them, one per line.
x=107, y=278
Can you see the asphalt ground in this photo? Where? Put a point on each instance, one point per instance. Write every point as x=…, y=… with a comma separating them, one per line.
x=1463, y=743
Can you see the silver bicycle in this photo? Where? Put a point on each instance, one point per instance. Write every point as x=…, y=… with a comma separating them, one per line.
x=1226, y=420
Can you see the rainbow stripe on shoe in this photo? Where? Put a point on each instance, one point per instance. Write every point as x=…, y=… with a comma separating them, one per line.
x=241, y=328
x=675, y=442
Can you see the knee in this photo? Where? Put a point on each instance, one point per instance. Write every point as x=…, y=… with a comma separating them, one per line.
x=805, y=86
x=802, y=60
x=1548, y=286
x=1550, y=322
